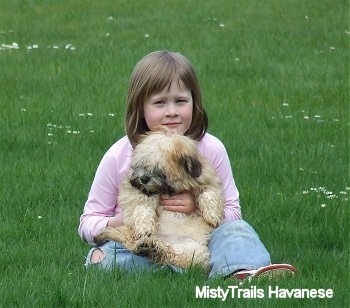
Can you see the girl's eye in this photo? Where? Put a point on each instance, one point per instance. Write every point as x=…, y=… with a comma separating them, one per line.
x=159, y=103
x=182, y=101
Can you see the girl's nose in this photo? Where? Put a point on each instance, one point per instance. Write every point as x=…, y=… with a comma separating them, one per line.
x=172, y=109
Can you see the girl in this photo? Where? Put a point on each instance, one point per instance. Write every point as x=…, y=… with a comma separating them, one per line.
x=164, y=92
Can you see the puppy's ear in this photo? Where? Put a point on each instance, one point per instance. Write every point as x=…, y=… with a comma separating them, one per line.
x=191, y=165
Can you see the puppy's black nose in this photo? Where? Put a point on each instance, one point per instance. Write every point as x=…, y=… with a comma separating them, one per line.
x=144, y=179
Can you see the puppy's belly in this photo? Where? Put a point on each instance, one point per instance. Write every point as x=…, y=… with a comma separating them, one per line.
x=179, y=228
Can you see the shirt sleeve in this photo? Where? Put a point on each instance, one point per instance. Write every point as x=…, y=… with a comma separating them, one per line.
x=102, y=200
x=216, y=153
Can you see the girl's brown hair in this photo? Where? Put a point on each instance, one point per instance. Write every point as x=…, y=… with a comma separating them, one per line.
x=152, y=74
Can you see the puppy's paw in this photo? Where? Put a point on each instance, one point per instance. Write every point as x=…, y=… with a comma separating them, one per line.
x=100, y=239
x=140, y=232
x=103, y=236
x=147, y=246
x=213, y=221
x=212, y=206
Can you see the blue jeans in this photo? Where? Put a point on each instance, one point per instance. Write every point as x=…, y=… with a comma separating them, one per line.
x=233, y=246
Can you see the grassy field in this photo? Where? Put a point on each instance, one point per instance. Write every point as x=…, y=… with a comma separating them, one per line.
x=275, y=81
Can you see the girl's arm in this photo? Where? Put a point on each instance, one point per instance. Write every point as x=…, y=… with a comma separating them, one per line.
x=214, y=150
x=100, y=208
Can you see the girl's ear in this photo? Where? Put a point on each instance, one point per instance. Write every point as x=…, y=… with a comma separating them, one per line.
x=191, y=165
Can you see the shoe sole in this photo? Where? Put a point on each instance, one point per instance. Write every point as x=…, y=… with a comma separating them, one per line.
x=274, y=271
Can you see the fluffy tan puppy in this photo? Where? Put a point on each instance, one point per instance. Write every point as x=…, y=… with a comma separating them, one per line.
x=167, y=163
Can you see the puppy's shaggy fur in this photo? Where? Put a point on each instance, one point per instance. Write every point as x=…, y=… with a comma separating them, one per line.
x=167, y=163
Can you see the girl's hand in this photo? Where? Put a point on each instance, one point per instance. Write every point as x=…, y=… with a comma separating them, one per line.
x=181, y=202
x=116, y=221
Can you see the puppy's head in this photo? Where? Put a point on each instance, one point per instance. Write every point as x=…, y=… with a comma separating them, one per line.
x=150, y=181
x=165, y=163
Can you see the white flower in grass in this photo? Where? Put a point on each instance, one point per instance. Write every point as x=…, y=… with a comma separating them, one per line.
x=285, y=104
x=23, y=109
x=89, y=114
x=331, y=196
x=14, y=45
x=305, y=192
x=323, y=205
x=111, y=114
x=221, y=25
x=110, y=18
x=40, y=217
x=146, y=35
x=81, y=114
x=306, y=117
x=69, y=47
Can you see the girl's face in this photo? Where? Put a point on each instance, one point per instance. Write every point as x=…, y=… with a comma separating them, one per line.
x=172, y=108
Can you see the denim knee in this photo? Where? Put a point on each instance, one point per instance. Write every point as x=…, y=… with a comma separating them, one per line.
x=235, y=245
x=116, y=255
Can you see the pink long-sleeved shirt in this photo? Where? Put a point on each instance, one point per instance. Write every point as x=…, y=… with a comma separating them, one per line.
x=102, y=200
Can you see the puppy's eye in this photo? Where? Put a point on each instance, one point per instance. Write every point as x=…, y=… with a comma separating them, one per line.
x=145, y=179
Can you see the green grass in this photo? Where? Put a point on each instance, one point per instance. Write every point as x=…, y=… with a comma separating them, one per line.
x=275, y=78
